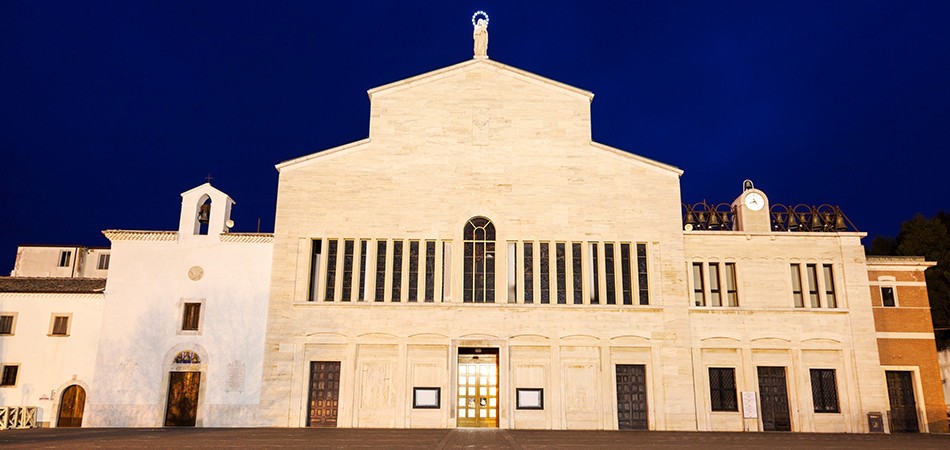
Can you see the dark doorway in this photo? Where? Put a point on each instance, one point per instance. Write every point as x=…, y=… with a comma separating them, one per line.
x=631, y=397
x=182, y=408
x=71, y=406
x=900, y=390
x=324, y=401
x=773, y=395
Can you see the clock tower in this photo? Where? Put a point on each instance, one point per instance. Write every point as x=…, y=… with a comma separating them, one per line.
x=752, y=210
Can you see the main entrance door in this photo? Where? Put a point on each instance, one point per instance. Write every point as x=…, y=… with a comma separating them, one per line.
x=182, y=407
x=71, y=406
x=900, y=389
x=478, y=387
x=774, y=398
x=324, y=402
x=631, y=397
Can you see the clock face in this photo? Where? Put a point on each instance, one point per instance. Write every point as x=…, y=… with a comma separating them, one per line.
x=754, y=201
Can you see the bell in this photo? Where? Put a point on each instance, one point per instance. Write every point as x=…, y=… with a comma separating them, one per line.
x=839, y=222
x=815, y=222
x=204, y=213
x=690, y=217
x=714, y=219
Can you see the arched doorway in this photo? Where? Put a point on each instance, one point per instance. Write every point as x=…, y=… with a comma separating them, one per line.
x=181, y=409
x=71, y=406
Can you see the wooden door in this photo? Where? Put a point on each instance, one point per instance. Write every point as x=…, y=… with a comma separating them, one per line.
x=324, y=403
x=478, y=390
x=71, y=407
x=182, y=407
x=773, y=395
x=631, y=397
x=900, y=390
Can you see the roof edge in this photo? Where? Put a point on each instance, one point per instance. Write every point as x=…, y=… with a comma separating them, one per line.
x=319, y=154
x=635, y=157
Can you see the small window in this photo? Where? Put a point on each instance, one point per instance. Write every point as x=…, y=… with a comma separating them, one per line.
x=59, y=325
x=64, y=257
x=8, y=379
x=722, y=389
x=830, y=300
x=715, y=291
x=316, y=254
x=191, y=317
x=812, y=271
x=699, y=298
x=797, y=285
x=732, y=291
x=824, y=390
x=887, y=296
x=643, y=277
x=6, y=324
x=530, y=398
x=427, y=397
x=103, y=262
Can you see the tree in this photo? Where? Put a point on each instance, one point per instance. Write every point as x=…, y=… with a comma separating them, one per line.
x=929, y=238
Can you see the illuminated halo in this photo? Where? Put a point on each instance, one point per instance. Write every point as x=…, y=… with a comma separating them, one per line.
x=476, y=15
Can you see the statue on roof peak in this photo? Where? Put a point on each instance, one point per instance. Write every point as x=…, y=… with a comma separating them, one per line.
x=480, y=35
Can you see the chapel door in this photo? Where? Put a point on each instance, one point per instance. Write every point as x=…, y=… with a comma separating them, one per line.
x=324, y=403
x=182, y=407
x=900, y=390
x=631, y=397
x=773, y=393
x=478, y=389
x=71, y=407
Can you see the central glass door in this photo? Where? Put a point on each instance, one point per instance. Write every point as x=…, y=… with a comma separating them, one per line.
x=478, y=388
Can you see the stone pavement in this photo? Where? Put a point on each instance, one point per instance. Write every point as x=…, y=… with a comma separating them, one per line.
x=362, y=438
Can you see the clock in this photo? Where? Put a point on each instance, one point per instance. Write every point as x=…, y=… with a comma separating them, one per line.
x=754, y=201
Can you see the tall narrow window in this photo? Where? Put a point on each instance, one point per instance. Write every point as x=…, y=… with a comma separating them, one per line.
x=316, y=257
x=732, y=291
x=577, y=275
x=699, y=297
x=192, y=313
x=544, y=258
x=625, y=277
x=715, y=295
x=479, y=267
x=611, y=291
x=722, y=389
x=430, y=272
x=397, y=272
x=642, y=274
x=824, y=390
x=380, y=269
x=446, y=271
x=594, y=275
x=64, y=257
x=797, y=286
x=529, y=272
x=812, y=272
x=331, y=270
x=887, y=296
x=561, y=276
x=413, y=271
x=347, y=288
x=830, y=300
x=512, y=272
x=363, y=278
x=103, y=262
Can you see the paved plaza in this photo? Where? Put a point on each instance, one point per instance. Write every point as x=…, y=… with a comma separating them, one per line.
x=448, y=439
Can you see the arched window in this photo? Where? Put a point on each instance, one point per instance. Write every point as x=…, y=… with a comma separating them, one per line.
x=187, y=357
x=479, y=267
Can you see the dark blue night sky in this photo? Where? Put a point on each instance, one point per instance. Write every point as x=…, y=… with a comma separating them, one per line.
x=110, y=109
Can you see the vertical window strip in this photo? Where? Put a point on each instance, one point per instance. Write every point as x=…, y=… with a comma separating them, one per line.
x=699, y=297
x=830, y=300
x=413, y=271
x=316, y=253
x=446, y=271
x=732, y=291
x=430, y=272
x=380, y=270
x=797, y=285
x=643, y=274
x=544, y=258
x=529, y=272
x=594, y=275
x=397, y=272
x=625, y=276
x=609, y=275
x=812, y=272
x=578, y=273
x=512, y=272
x=479, y=264
x=362, y=280
x=330, y=291
x=715, y=296
x=346, y=289
x=559, y=255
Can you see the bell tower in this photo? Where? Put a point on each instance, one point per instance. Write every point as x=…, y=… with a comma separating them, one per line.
x=205, y=211
x=752, y=210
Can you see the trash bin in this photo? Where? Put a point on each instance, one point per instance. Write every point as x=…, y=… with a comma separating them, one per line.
x=875, y=422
